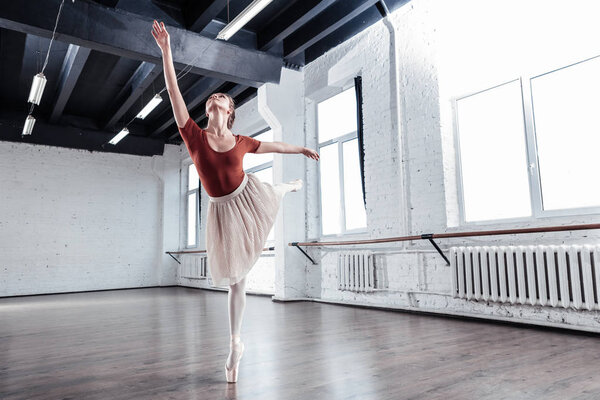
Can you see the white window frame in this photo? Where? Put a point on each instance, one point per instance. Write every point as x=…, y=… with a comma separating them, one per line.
x=188, y=193
x=535, y=190
x=340, y=140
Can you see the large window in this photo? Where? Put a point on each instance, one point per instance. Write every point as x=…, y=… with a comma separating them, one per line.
x=193, y=197
x=527, y=148
x=342, y=207
x=262, y=166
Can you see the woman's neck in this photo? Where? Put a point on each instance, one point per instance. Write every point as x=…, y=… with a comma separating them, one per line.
x=217, y=124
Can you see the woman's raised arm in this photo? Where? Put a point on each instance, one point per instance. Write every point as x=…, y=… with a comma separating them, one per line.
x=163, y=41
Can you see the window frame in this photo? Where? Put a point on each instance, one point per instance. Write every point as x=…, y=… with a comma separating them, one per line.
x=188, y=193
x=340, y=140
x=533, y=174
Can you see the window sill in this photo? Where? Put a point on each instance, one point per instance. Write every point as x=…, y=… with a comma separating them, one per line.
x=350, y=235
x=531, y=222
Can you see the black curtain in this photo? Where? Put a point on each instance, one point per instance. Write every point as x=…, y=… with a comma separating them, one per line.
x=359, y=128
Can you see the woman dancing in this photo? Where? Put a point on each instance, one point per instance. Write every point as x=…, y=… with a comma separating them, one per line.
x=242, y=209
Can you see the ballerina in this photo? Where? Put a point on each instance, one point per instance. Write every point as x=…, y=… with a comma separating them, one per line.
x=242, y=209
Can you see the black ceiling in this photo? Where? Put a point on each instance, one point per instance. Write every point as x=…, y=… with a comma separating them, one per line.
x=104, y=64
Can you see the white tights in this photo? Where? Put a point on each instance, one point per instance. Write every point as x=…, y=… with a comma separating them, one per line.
x=237, y=303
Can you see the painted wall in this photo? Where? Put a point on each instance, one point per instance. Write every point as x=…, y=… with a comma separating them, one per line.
x=73, y=220
x=412, y=64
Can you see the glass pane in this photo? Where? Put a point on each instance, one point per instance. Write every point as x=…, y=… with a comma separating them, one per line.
x=253, y=159
x=191, y=221
x=193, y=178
x=330, y=189
x=493, y=154
x=565, y=105
x=356, y=216
x=337, y=115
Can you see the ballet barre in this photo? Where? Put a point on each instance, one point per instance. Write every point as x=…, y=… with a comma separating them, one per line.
x=199, y=251
x=431, y=236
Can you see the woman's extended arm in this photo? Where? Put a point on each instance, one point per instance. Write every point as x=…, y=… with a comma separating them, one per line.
x=281, y=147
x=179, y=108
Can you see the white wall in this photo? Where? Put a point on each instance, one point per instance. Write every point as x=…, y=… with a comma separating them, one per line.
x=425, y=53
x=74, y=220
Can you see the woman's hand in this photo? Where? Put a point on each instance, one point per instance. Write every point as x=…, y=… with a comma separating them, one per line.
x=161, y=35
x=310, y=153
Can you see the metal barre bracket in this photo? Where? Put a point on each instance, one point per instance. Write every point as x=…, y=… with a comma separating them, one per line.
x=429, y=236
x=295, y=244
x=169, y=253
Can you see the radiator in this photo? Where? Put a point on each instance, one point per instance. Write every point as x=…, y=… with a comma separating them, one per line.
x=193, y=267
x=555, y=276
x=356, y=271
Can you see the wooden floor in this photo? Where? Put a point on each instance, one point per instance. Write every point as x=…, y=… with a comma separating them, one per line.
x=171, y=343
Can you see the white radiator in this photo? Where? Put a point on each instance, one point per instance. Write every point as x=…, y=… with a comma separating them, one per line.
x=356, y=271
x=193, y=267
x=557, y=276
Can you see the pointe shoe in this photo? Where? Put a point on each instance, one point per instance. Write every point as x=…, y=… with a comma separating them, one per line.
x=298, y=183
x=232, y=374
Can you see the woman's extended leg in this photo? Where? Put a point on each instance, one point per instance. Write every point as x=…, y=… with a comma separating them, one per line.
x=292, y=186
x=237, y=304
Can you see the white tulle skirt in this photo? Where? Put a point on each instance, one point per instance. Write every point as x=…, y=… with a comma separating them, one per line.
x=237, y=227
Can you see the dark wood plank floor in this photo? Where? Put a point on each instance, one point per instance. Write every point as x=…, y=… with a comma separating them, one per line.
x=171, y=343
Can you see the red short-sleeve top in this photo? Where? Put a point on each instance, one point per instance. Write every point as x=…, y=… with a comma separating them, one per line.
x=220, y=172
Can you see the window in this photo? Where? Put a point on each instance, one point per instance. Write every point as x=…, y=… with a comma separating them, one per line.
x=526, y=148
x=567, y=132
x=342, y=207
x=262, y=166
x=193, y=196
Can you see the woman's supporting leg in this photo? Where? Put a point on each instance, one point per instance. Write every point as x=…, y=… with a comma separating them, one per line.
x=237, y=304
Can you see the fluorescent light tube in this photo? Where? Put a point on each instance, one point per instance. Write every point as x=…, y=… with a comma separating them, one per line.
x=156, y=100
x=242, y=19
x=124, y=132
x=37, y=88
x=28, y=127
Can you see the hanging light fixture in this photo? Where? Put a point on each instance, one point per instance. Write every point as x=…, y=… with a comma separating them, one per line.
x=156, y=100
x=28, y=127
x=39, y=81
x=242, y=19
x=37, y=88
x=124, y=132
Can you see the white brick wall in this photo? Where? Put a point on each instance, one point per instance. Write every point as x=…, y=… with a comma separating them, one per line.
x=74, y=220
x=434, y=64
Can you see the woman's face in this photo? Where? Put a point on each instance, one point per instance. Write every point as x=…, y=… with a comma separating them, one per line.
x=218, y=100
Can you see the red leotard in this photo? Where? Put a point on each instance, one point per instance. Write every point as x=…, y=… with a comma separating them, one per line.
x=220, y=172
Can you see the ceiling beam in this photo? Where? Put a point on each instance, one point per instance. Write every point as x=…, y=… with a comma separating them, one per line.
x=198, y=93
x=289, y=21
x=324, y=24
x=198, y=14
x=69, y=136
x=69, y=74
x=127, y=35
x=12, y=51
x=141, y=79
x=343, y=33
